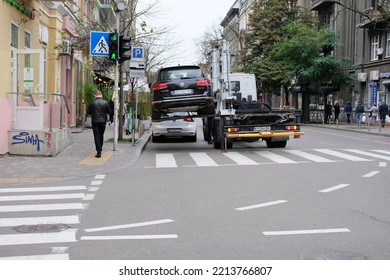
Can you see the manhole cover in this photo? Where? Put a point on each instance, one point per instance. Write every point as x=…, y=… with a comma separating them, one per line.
x=41, y=228
x=332, y=255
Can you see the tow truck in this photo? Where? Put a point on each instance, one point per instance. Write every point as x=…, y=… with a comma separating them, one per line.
x=240, y=115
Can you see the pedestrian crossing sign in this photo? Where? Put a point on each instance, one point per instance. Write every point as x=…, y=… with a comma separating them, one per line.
x=98, y=43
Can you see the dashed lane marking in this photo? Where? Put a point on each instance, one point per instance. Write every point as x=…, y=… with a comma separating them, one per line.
x=315, y=231
x=92, y=160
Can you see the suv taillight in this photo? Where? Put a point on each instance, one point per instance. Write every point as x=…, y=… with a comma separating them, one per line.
x=203, y=83
x=188, y=119
x=160, y=86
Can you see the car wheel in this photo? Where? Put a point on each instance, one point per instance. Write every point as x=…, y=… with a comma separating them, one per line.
x=155, y=139
x=193, y=138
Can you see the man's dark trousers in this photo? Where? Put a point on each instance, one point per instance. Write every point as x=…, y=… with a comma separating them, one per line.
x=98, y=135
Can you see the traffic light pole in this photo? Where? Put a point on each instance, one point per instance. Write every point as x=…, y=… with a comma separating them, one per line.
x=116, y=99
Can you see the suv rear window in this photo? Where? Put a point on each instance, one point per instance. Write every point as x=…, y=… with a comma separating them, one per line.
x=179, y=73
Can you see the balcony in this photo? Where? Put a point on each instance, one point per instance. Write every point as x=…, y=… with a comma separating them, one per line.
x=371, y=19
x=321, y=4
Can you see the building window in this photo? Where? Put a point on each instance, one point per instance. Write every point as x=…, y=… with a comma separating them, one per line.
x=388, y=45
x=14, y=36
x=374, y=47
x=27, y=45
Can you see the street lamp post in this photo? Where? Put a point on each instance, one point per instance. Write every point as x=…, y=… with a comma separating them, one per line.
x=120, y=6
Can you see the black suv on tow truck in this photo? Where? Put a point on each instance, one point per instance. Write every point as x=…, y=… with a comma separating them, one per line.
x=181, y=89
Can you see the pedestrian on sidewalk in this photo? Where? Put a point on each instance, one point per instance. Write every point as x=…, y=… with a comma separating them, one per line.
x=359, y=113
x=373, y=113
x=99, y=109
x=383, y=110
x=348, y=111
x=328, y=112
x=336, y=112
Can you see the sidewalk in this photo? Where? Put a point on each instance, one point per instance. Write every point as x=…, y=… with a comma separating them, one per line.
x=364, y=128
x=77, y=160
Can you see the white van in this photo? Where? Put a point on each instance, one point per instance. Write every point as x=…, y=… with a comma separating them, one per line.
x=243, y=86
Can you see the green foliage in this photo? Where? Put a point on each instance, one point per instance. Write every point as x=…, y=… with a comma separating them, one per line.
x=303, y=53
x=266, y=25
x=89, y=89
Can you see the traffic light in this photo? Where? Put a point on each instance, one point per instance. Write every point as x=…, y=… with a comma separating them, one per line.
x=124, y=48
x=114, y=46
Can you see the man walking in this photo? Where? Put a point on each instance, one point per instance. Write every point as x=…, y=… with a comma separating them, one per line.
x=359, y=113
x=348, y=111
x=99, y=109
x=383, y=110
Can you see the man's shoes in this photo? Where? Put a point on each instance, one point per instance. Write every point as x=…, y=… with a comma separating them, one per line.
x=98, y=156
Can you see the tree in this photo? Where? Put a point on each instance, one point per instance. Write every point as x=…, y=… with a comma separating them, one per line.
x=305, y=55
x=266, y=22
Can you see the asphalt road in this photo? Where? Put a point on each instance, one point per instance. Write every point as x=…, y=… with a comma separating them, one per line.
x=325, y=196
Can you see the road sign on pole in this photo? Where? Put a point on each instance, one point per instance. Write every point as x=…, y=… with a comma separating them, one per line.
x=98, y=43
x=138, y=54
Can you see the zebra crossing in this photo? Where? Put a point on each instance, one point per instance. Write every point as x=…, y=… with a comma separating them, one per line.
x=252, y=158
x=43, y=215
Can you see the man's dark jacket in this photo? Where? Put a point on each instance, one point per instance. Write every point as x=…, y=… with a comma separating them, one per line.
x=383, y=109
x=99, y=109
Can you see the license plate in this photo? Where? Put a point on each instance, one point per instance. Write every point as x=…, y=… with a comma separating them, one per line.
x=262, y=128
x=174, y=130
x=182, y=91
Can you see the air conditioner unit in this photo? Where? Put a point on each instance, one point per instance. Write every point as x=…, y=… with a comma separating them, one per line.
x=66, y=47
x=362, y=77
x=380, y=51
x=374, y=75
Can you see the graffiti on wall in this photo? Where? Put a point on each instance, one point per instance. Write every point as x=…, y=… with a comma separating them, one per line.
x=27, y=139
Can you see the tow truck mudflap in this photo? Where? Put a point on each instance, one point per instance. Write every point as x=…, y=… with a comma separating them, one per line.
x=265, y=134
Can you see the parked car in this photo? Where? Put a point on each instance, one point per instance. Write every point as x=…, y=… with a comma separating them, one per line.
x=179, y=125
x=181, y=89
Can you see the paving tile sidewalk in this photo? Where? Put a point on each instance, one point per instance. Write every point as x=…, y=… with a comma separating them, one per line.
x=77, y=160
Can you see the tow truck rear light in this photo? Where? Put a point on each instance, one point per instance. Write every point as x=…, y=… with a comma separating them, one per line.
x=203, y=83
x=292, y=127
x=233, y=129
x=160, y=86
x=188, y=119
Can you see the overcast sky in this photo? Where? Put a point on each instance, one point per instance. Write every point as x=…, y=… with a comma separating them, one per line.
x=190, y=19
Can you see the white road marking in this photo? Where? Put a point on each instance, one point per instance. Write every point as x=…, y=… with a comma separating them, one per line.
x=240, y=159
x=42, y=207
x=59, y=250
x=382, y=164
x=165, y=161
x=341, y=155
x=129, y=225
x=202, y=159
x=382, y=151
x=38, y=238
x=308, y=156
x=314, y=231
x=43, y=197
x=261, y=205
x=274, y=157
x=9, y=222
x=93, y=189
x=100, y=177
x=89, y=196
x=44, y=189
x=334, y=188
x=96, y=183
x=129, y=237
x=64, y=257
x=371, y=174
x=368, y=154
